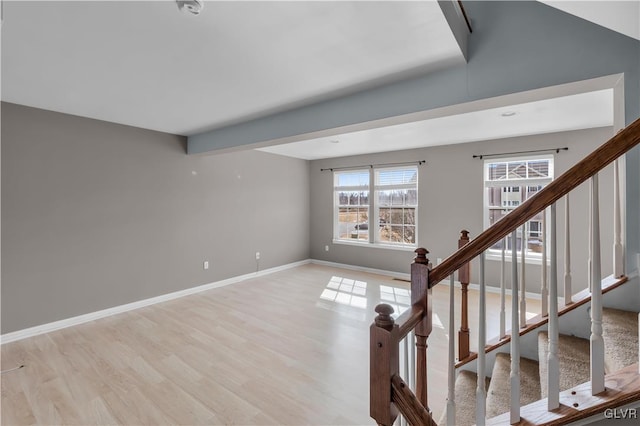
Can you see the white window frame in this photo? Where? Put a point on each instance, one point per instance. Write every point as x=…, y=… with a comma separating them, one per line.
x=373, y=189
x=337, y=205
x=496, y=254
x=377, y=205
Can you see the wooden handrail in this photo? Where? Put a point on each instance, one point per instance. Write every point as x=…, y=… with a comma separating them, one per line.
x=583, y=170
x=408, y=320
x=409, y=405
x=388, y=393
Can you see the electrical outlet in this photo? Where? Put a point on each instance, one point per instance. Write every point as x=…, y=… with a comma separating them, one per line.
x=257, y=255
x=439, y=261
x=206, y=264
x=326, y=248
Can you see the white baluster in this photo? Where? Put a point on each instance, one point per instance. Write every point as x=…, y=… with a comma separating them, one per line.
x=503, y=284
x=553, y=368
x=590, y=258
x=481, y=392
x=514, y=377
x=411, y=381
x=451, y=401
x=405, y=356
x=568, y=292
x=523, y=300
x=618, y=255
x=597, y=342
x=544, y=291
x=407, y=344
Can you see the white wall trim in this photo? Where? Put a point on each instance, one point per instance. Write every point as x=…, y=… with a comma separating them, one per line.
x=80, y=319
x=401, y=275
x=492, y=289
x=405, y=276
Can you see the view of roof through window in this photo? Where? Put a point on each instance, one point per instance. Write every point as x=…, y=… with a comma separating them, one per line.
x=523, y=169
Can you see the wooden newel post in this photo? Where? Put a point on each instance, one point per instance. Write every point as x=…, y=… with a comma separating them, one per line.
x=384, y=364
x=463, y=277
x=421, y=295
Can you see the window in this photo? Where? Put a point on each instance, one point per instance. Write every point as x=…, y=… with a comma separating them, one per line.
x=352, y=205
x=510, y=182
x=394, y=205
x=397, y=204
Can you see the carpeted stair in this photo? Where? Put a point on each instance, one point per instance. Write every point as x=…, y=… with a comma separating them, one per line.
x=573, y=360
x=499, y=395
x=620, y=332
x=466, y=384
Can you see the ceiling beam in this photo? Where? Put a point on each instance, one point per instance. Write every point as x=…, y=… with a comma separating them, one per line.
x=458, y=22
x=515, y=46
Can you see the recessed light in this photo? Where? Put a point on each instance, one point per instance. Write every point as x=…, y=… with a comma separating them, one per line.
x=508, y=114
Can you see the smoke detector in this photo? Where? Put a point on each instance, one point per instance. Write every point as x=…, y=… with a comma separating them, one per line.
x=193, y=6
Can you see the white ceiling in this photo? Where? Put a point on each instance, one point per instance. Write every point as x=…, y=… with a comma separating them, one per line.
x=148, y=65
x=582, y=111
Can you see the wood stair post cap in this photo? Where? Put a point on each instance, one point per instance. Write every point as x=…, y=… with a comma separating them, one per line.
x=421, y=255
x=384, y=318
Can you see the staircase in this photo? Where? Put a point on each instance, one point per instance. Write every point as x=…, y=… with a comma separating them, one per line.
x=522, y=391
x=620, y=332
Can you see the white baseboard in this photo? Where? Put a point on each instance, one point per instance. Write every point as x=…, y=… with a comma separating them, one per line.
x=80, y=319
x=401, y=275
x=404, y=276
x=492, y=289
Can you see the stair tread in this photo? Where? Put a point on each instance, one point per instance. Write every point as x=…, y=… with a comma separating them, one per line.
x=620, y=333
x=499, y=394
x=573, y=360
x=465, y=390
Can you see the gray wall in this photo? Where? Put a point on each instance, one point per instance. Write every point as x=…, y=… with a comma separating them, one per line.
x=515, y=46
x=96, y=214
x=451, y=199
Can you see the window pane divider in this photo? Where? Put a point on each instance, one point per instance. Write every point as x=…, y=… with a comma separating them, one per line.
x=516, y=182
x=396, y=186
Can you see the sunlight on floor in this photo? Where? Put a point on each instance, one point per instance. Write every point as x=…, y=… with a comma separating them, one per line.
x=398, y=298
x=346, y=291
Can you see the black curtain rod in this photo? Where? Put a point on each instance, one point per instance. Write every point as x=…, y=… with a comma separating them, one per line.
x=556, y=150
x=371, y=166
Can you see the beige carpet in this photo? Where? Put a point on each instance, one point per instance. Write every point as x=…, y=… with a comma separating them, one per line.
x=499, y=395
x=620, y=332
x=466, y=384
x=573, y=359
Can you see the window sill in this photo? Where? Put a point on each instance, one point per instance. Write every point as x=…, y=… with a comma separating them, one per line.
x=497, y=256
x=375, y=245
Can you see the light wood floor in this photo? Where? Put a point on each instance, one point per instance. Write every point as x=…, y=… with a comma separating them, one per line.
x=290, y=348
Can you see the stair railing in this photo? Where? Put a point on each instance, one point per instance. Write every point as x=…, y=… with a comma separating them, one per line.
x=514, y=377
x=553, y=367
x=464, y=274
x=389, y=393
x=568, y=292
